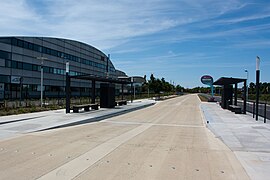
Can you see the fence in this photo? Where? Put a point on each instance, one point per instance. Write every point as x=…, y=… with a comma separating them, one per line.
x=263, y=110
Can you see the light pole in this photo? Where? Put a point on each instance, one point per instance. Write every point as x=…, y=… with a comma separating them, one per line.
x=67, y=88
x=247, y=83
x=41, y=79
x=257, y=85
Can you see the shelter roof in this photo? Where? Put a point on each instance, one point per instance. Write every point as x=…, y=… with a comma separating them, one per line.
x=228, y=81
x=101, y=79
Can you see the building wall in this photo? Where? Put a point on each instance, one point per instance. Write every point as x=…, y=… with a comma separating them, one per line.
x=19, y=61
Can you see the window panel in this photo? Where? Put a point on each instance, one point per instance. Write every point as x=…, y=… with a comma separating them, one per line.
x=14, y=64
x=19, y=65
x=8, y=63
x=27, y=66
x=35, y=67
x=5, y=55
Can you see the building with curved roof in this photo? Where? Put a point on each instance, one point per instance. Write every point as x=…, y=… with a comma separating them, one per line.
x=21, y=59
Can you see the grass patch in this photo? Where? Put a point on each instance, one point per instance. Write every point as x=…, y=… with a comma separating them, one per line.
x=203, y=98
x=22, y=110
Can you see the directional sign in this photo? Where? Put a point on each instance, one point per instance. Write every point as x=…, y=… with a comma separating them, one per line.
x=206, y=79
x=15, y=79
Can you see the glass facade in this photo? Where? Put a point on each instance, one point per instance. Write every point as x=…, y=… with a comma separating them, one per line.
x=18, y=59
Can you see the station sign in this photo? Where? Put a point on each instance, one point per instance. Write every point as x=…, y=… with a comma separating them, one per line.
x=15, y=79
x=208, y=80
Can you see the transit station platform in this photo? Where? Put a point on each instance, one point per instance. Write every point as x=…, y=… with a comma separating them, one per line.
x=247, y=138
x=15, y=125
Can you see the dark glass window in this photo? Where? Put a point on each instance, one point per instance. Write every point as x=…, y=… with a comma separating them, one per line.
x=36, y=47
x=53, y=52
x=46, y=69
x=35, y=67
x=59, y=54
x=25, y=44
x=5, y=55
x=27, y=66
x=20, y=43
x=48, y=51
x=5, y=40
x=43, y=49
x=33, y=87
x=14, y=41
x=8, y=63
x=39, y=48
x=14, y=64
x=31, y=46
x=19, y=65
x=51, y=70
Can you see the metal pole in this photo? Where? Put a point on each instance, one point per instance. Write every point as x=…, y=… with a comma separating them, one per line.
x=134, y=91
x=131, y=89
x=253, y=109
x=93, y=101
x=257, y=85
x=41, y=79
x=247, y=84
x=67, y=93
x=245, y=98
x=235, y=94
x=41, y=83
x=21, y=79
x=264, y=113
x=67, y=88
x=122, y=92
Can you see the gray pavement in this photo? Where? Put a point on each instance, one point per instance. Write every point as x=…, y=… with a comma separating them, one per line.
x=168, y=140
x=16, y=125
x=247, y=138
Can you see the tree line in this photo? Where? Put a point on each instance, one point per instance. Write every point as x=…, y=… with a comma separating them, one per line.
x=156, y=85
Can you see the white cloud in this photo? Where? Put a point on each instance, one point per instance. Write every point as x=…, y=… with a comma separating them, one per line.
x=105, y=24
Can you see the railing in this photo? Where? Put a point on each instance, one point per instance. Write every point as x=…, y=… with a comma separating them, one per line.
x=263, y=110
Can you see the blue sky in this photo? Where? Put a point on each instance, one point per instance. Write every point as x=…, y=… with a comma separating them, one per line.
x=180, y=40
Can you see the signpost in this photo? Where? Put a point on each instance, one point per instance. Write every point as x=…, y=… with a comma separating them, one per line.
x=208, y=80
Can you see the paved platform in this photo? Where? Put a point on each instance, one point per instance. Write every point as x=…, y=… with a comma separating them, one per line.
x=247, y=138
x=16, y=125
x=168, y=140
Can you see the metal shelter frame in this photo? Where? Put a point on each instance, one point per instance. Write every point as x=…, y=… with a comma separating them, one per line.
x=225, y=81
x=94, y=79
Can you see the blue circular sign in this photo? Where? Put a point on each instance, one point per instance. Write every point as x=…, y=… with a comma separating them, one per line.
x=208, y=80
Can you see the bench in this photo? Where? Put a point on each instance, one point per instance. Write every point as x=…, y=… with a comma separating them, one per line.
x=236, y=109
x=121, y=102
x=86, y=107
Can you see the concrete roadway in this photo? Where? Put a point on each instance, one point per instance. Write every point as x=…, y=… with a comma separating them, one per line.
x=166, y=141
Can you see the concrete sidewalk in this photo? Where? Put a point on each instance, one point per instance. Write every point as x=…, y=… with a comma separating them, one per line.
x=15, y=125
x=247, y=138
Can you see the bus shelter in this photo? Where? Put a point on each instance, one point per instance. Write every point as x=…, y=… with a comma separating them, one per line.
x=93, y=79
x=228, y=93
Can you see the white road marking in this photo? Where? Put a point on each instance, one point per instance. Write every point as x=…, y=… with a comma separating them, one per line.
x=153, y=124
x=73, y=168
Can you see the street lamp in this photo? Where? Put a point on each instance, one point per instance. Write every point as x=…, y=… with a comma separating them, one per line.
x=132, y=81
x=41, y=79
x=257, y=85
x=247, y=83
x=67, y=88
